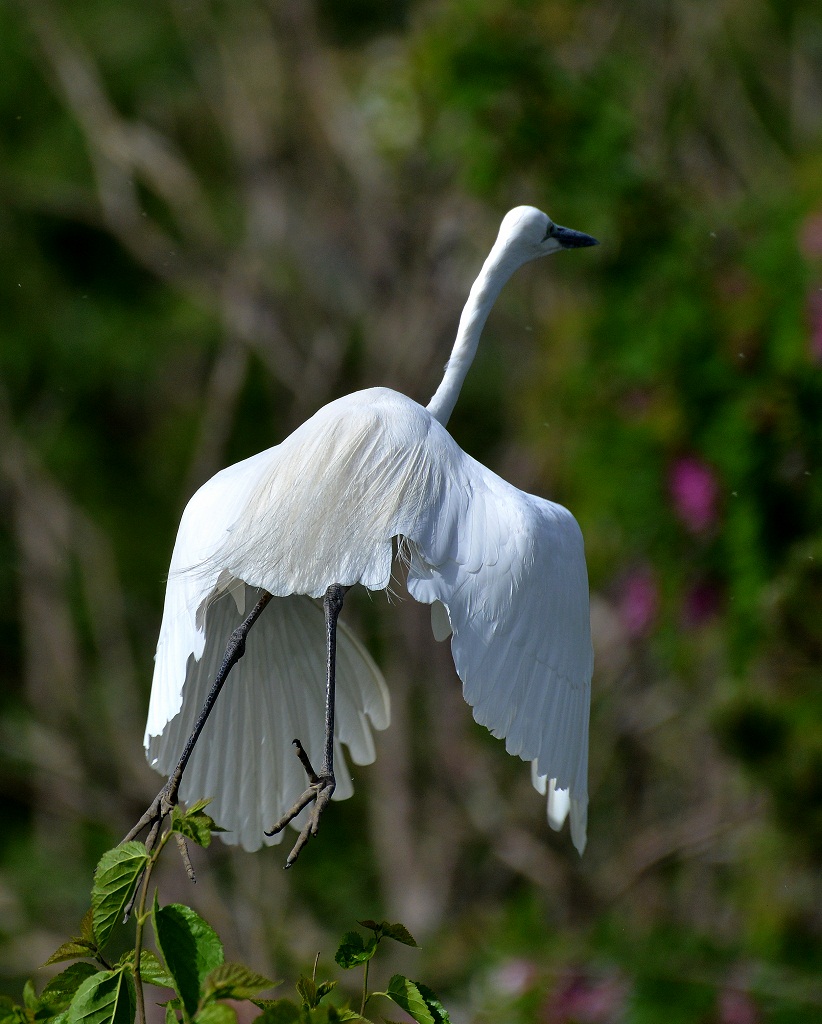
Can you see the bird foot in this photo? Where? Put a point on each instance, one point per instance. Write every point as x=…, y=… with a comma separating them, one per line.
x=158, y=810
x=320, y=791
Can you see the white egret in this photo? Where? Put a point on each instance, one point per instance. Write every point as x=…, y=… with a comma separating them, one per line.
x=504, y=572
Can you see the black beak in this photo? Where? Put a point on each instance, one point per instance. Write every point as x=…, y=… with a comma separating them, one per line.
x=570, y=239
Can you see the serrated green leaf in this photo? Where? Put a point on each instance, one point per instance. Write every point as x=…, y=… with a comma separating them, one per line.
x=342, y=1014
x=216, y=1013
x=190, y=948
x=437, y=1010
x=234, y=981
x=87, y=927
x=393, y=930
x=61, y=989
x=106, y=998
x=194, y=826
x=115, y=880
x=406, y=994
x=60, y=1018
x=308, y=991
x=354, y=950
x=151, y=970
x=74, y=949
x=399, y=933
x=312, y=993
x=280, y=1011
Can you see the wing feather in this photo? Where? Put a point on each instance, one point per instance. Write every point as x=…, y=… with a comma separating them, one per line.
x=245, y=760
x=509, y=568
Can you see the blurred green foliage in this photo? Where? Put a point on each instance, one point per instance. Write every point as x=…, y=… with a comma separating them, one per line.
x=253, y=208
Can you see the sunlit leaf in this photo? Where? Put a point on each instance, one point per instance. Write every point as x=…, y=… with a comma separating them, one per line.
x=417, y=1000
x=151, y=970
x=106, y=998
x=235, y=981
x=194, y=824
x=73, y=949
x=115, y=880
x=30, y=1000
x=61, y=989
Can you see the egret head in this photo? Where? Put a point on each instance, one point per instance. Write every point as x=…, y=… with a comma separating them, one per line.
x=527, y=233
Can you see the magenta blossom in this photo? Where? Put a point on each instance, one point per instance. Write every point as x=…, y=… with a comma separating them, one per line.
x=737, y=1007
x=581, y=999
x=694, y=491
x=638, y=602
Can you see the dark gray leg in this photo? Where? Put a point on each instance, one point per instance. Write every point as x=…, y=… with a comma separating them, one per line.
x=166, y=799
x=322, y=786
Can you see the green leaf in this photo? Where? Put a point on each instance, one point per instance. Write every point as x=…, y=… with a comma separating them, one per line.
x=311, y=992
x=171, y=1012
x=392, y=930
x=61, y=989
x=354, y=950
x=87, y=927
x=323, y=989
x=399, y=933
x=417, y=1000
x=151, y=970
x=115, y=880
x=30, y=1000
x=308, y=991
x=279, y=1011
x=216, y=1013
x=105, y=998
x=72, y=950
x=7, y=1009
x=438, y=1011
x=194, y=824
x=234, y=981
x=190, y=948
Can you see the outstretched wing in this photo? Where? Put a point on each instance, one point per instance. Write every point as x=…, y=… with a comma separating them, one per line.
x=510, y=570
x=274, y=694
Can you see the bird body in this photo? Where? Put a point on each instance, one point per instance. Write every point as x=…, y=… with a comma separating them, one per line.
x=503, y=570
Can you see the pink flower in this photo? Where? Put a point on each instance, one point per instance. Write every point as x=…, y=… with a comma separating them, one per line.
x=737, y=1007
x=514, y=977
x=585, y=1000
x=638, y=602
x=694, y=491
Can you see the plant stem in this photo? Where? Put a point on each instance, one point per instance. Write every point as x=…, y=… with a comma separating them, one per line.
x=364, y=988
x=138, y=938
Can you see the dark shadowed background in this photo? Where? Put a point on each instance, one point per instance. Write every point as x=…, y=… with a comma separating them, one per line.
x=215, y=217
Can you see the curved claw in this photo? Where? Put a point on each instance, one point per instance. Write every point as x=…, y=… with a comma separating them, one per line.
x=320, y=791
x=160, y=807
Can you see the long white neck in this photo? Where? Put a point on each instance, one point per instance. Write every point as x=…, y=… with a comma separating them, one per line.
x=496, y=270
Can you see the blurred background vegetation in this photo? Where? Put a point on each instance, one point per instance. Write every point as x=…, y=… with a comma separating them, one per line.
x=217, y=216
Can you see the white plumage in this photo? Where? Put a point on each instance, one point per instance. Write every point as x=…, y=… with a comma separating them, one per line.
x=503, y=570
